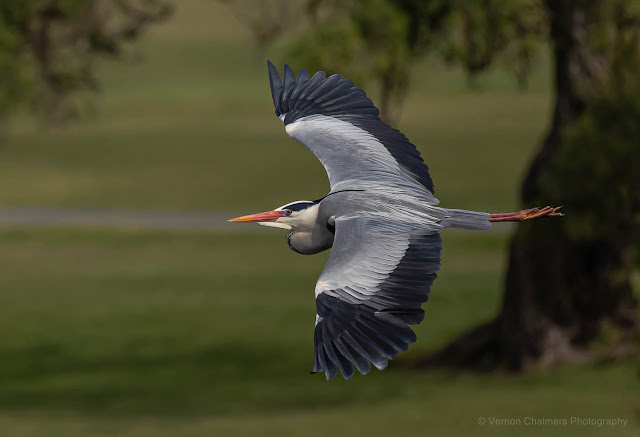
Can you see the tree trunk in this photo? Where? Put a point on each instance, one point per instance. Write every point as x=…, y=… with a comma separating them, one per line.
x=559, y=293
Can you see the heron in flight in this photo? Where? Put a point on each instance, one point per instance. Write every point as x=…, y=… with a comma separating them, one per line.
x=380, y=218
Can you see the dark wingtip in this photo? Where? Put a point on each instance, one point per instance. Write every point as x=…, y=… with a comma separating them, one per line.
x=320, y=75
x=273, y=71
x=288, y=81
x=287, y=77
x=349, y=375
x=275, y=84
x=303, y=76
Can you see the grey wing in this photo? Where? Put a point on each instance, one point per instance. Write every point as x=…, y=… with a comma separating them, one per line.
x=340, y=125
x=377, y=277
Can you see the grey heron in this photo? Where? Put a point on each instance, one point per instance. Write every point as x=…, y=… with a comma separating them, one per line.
x=380, y=218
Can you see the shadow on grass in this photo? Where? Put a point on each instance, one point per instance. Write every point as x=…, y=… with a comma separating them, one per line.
x=223, y=378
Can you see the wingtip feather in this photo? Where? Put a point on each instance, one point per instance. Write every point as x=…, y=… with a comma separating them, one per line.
x=276, y=85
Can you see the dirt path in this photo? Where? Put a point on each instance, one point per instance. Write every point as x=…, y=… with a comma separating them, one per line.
x=144, y=219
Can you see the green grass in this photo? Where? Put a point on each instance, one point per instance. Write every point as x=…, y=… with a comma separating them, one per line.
x=150, y=333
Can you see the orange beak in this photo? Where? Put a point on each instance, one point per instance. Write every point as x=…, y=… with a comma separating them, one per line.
x=267, y=216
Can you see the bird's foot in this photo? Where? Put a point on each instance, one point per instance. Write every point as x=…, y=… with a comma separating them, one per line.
x=527, y=214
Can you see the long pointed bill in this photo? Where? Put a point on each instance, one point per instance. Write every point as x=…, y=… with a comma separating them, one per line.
x=267, y=216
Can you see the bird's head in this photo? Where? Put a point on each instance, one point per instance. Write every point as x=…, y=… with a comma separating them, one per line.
x=292, y=216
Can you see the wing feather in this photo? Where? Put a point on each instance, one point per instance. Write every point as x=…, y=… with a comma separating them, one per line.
x=304, y=100
x=365, y=302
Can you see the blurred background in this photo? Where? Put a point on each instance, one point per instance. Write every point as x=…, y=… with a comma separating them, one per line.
x=131, y=130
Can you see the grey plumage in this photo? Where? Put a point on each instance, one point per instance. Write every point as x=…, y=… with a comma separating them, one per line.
x=381, y=208
x=364, y=304
x=338, y=97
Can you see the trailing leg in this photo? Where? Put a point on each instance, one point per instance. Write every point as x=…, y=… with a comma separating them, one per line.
x=526, y=214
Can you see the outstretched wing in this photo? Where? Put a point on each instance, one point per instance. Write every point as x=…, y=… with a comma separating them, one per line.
x=377, y=277
x=340, y=125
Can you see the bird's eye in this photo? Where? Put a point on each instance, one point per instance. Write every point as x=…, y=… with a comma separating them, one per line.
x=288, y=212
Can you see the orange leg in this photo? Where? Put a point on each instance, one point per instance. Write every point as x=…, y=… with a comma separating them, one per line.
x=526, y=214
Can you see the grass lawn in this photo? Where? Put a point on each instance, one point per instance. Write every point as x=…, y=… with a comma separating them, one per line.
x=151, y=333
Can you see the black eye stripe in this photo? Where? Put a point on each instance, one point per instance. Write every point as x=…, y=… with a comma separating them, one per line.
x=298, y=206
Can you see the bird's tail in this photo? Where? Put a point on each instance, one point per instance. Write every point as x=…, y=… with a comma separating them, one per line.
x=462, y=219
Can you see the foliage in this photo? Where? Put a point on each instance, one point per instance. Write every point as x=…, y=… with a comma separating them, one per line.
x=266, y=20
x=47, y=47
x=382, y=39
x=360, y=40
x=481, y=31
x=595, y=171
